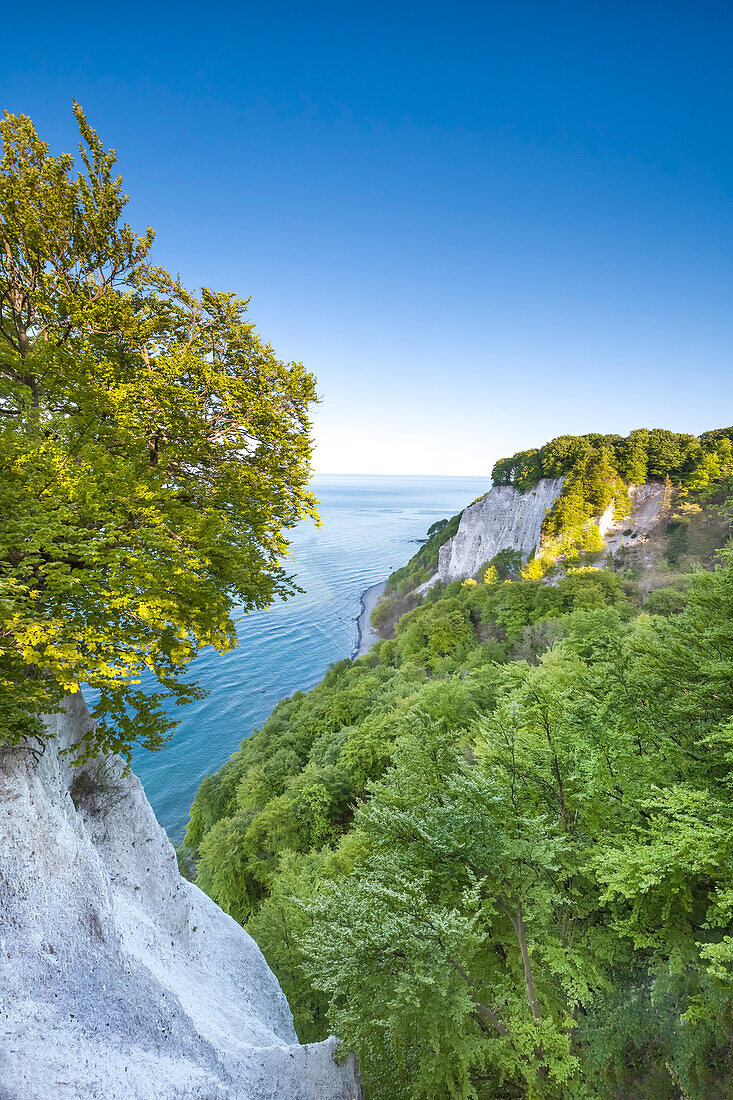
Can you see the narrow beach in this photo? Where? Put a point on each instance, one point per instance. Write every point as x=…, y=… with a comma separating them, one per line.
x=366, y=635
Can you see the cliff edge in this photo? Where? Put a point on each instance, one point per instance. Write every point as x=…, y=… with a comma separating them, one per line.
x=506, y=518
x=502, y=519
x=118, y=978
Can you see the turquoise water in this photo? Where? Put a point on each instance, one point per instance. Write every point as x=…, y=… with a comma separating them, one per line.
x=370, y=525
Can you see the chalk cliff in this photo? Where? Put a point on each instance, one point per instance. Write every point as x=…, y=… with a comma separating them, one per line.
x=118, y=978
x=507, y=519
x=503, y=519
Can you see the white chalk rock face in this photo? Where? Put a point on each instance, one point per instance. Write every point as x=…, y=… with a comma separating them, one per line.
x=120, y=980
x=503, y=519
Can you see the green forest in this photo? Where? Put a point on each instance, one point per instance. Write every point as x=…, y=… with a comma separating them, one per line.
x=494, y=855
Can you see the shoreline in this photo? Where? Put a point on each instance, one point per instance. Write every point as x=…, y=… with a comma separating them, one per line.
x=366, y=636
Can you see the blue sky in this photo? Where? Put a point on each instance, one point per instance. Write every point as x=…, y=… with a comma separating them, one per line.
x=481, y=225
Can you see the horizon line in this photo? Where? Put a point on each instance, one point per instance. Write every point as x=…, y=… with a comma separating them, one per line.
x=334, y=473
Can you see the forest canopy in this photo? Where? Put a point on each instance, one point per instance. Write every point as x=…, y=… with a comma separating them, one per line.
x=153, y=451
x=494, y=854
x=647, y=454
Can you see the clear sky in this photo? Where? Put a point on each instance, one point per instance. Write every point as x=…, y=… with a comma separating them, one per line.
x=480, y=224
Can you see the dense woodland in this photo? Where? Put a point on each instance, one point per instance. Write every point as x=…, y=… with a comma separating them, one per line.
x=495, y=854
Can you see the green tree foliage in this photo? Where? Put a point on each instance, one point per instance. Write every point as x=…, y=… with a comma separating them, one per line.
x=507, y=563
x=643, y=455
x=299, y=778
x=596, y=470
x=494, y=855
x=632, y=457
x=152, y=451
x=437, y=527
x=517, y=885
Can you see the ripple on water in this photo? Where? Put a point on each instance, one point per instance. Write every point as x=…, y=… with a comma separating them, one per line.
x=369, y=528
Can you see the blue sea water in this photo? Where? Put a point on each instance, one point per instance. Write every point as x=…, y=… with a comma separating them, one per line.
x=369, y=528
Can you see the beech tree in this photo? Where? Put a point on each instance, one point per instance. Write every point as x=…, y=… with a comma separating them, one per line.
x=153, y=452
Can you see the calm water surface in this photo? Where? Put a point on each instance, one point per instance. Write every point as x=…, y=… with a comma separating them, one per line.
x=369, y=528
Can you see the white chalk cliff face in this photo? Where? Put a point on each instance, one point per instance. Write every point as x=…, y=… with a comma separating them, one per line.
x=119, y=979
x=503, y=519
x=507, y=519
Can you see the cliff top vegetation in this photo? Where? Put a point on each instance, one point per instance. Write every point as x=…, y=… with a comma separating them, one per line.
x=647, y=454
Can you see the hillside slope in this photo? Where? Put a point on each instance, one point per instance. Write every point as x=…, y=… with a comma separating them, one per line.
x=494, y=853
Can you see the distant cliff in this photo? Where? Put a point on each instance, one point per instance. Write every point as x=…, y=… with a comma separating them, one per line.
x=120, y=979
x=504, y=519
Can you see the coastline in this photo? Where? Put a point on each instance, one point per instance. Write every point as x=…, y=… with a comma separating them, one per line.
x=366, y=635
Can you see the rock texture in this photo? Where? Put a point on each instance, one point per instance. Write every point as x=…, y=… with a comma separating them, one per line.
x=508, y=519
x=119, y=979
x=633, y=529
x=503, y=519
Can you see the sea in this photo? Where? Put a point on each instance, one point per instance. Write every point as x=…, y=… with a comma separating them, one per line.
x=370, y=526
